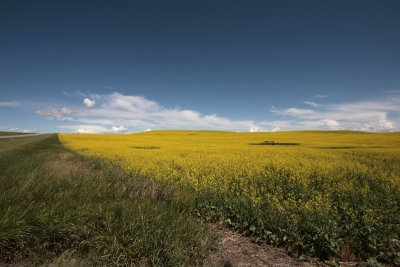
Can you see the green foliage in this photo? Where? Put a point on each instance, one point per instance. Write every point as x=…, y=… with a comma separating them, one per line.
x=54, y=202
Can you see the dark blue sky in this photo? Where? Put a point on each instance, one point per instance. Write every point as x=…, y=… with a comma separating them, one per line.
x=235, y=59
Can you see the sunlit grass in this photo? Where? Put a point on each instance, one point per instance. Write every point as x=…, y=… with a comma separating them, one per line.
x=56, y=206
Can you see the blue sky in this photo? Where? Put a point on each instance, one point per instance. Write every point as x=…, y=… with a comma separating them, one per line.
x=224, y=65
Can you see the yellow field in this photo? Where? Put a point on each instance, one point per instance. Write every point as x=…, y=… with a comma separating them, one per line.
x=318, y=193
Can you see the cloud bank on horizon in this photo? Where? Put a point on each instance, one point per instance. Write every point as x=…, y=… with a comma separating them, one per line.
x=120, y=113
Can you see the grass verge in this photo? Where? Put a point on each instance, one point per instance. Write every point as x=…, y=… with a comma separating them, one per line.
x=11, y=133
x=14, y=143
x=54, y=202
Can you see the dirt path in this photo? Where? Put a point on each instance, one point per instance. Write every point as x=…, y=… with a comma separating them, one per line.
x=235, y=250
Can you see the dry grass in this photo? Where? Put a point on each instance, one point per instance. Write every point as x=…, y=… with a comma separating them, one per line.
x=65, y=164
x=13, y=143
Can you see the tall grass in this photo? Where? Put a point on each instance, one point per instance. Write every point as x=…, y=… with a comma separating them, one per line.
x=55, y=203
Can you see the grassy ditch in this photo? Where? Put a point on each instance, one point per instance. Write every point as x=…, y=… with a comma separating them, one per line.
x=58, y=206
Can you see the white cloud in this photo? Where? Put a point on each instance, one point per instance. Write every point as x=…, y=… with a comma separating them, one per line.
x=254, y=129
x=74, y=94
x=55, y=113
x=91, y=128
x=385, y=124
x=84, y=131
x=331, y=124
x=19, y=130
x=126, y=113
x=119, y=129
x=360, y=115
x=139, y=113
x=323, y=95
x=310, y=103
x=319, y=96
x=85, y=128
x=294, y=111
x=89, y=103
x=130, y=103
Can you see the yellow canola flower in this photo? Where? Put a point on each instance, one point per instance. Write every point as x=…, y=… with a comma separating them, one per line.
x=308, y=173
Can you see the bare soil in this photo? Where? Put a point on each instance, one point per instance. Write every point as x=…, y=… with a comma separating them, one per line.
x=235, y=250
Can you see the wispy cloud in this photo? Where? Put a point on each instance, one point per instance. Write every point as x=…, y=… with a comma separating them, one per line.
x=295, y=112
x=19, y=130
x=74, y=94
x=310, y=103
x=323, y=95
x=57, y=113
x=373, y=115
x=85, y=128
x=10, y=104
x=117, y=113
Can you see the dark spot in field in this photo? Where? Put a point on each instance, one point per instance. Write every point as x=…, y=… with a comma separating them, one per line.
x=145, y=147
x=273, y=143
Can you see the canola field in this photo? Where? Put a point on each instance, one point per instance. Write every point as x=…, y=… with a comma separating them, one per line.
x=319, y=194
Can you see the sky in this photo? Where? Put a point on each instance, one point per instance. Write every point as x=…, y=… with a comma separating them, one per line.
x=129, y=66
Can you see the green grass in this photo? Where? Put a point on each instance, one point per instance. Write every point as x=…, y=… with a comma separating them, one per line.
x=55, y=203
x=8, y=144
